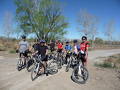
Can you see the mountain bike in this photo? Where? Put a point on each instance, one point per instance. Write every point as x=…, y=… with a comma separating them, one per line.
x=80, y=74
x=39, y=68
x=69, y=60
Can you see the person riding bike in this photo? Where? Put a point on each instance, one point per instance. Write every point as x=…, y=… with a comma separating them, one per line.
x=43, y=51
x=84, y=49
x=52, y=46
x=76, y=47
x=68, y=50
x=36, y=44
x=23, y=48
x=59, y=47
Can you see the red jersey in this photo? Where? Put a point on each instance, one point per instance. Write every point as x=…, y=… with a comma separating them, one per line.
x=60, y=46
x=84, y=45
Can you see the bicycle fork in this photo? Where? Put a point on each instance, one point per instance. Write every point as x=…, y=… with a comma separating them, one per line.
x=79, y=69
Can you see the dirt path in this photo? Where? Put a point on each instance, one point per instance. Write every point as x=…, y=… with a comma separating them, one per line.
x=100, y=79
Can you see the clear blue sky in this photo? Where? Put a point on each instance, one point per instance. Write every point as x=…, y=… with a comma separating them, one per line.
x=105, y=10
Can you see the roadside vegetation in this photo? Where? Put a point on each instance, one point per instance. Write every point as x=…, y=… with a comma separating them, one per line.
x=110, y=62
x=11, y=44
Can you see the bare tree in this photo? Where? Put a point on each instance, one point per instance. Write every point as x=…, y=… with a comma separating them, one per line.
x=110, y=28
x=7, y=25
x=87, y=24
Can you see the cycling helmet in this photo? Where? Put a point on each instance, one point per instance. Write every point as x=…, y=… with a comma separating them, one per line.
x=75, y=41
x=23, y=37
x=84, y=38
x=42, y=41
x=67, y=41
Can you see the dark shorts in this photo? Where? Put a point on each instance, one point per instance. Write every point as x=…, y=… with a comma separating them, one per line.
x=25, y=54
x=59, y=50
x=68, y=54
x=52, y=49
x=45, y=58
x=83, y=57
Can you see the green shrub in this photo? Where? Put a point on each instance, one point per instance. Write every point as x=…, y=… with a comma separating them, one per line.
x=105, y=65
x=2, y=48
x=12, y=51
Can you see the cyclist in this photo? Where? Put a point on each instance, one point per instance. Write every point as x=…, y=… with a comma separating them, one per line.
x=23, y=48
x=52, y=46
x=76, y=47
x=68, y=50
x=43, y=51
x=36, y=44
x=84, y=49
x=59, y=47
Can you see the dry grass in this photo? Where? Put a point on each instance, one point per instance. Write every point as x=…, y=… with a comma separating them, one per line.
x=110, y=62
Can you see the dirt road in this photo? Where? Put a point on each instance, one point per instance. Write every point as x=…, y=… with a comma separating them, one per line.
x=100, y=79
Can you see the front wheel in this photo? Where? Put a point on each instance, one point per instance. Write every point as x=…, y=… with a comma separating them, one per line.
x=68, y=65
x=82, y=77
x=19, y=65
x=34, y=72
x=29, y=65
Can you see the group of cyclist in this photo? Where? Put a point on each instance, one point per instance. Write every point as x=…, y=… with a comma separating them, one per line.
x=40, y=47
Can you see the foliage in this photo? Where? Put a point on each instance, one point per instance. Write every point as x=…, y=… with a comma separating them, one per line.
x=98, y=41
x=41, y=17
x=110, y=28
x=87, y=23
x=8, y=24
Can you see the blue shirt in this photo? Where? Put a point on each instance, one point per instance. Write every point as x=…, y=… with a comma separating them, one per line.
x=68, y=47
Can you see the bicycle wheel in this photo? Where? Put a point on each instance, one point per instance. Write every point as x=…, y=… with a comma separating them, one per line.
x=29, y=65
x=59, y=63
x=19, y=64
x=52, y=67
x=68, y=65
x=37, y=71
x=80, y=78
x=34, y=72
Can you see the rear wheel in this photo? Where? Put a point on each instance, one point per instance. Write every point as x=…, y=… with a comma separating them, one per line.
x=52, y=67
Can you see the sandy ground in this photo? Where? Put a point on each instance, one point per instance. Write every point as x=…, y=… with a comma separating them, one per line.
x=100, y=79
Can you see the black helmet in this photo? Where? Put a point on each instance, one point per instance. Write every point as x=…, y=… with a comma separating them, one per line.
x=67, y=41
x=84, y=38
x=23, y=37
x=42, y=41
x=75, y=41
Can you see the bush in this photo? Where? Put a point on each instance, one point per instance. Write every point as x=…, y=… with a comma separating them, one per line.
x=2, y=48
x=105, y=65
x=12, y=51
x=98, y=41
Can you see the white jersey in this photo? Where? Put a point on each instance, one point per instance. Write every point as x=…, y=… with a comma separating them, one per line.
x=75, y=49
x=24, y=45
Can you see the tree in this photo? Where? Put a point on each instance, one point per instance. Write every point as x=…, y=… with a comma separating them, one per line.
x=88, y=24
x=8, y=28
x=41, y=17
x=110, y=28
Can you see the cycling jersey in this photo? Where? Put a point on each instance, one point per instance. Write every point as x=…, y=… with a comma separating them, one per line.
x=84, y=45
x=24, y=45
x=76, y=49
x=60, y=46
x=68, y=47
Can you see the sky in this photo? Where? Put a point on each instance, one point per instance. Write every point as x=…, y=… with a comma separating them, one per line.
x=105, y=10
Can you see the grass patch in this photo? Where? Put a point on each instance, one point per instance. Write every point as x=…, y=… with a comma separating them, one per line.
x=12, y=51
x=110, y=62
x=105, y=65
